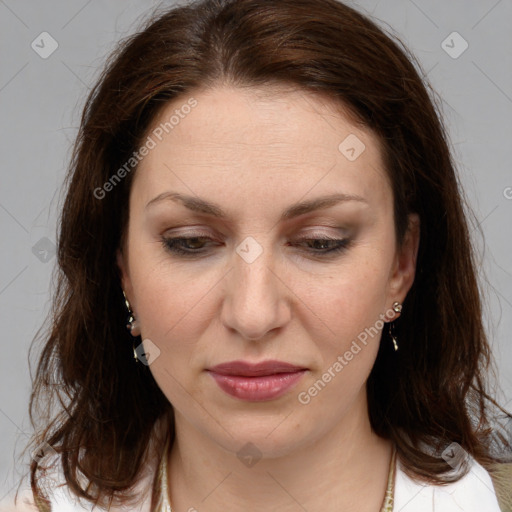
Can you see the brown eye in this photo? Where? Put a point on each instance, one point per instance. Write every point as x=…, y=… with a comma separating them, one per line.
x=185, y=245
x=326, y=245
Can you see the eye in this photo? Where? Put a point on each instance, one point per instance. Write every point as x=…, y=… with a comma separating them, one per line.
x=187, y=246
x=196, y=245
x=326, y=245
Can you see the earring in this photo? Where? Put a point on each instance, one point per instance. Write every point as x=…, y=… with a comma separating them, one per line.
x=393, y=337
x=132, y=325
x=397, y=308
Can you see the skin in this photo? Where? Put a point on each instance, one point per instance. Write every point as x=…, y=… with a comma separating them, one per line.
x=254, y=153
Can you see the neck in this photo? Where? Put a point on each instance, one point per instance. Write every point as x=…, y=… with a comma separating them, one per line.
x=344, y=469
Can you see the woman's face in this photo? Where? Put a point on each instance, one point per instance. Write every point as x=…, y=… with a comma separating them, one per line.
x=250, y=179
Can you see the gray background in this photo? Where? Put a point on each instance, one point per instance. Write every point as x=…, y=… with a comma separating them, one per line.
x=40, y=102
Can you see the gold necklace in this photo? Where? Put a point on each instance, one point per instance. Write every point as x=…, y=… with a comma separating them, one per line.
x=164, y=505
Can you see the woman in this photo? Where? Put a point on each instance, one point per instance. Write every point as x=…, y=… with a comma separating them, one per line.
x=265, y=190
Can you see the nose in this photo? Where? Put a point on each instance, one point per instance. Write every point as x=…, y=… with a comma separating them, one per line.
x=257, y=301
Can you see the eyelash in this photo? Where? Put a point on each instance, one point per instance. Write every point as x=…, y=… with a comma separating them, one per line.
x=175, y=245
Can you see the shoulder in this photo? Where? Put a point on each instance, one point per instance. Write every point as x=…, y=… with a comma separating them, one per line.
x=60, y=499
x=474, y=492
x=24, y=503
x=63, y=500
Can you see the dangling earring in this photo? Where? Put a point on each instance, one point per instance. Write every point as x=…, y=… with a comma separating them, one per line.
x=132, y=326
x=397, y=308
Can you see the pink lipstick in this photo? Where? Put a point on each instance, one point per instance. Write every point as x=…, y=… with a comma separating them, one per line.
x=256, y=382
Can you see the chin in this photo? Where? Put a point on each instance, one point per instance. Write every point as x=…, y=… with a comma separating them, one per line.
x=269, y=436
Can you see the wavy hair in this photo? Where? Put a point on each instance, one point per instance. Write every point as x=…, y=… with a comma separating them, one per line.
x=97, y=408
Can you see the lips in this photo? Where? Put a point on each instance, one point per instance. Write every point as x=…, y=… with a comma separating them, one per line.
x=256, y=382
x=245, y=369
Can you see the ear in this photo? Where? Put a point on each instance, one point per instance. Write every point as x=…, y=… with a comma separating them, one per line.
x=124, y=274
x=404, y=268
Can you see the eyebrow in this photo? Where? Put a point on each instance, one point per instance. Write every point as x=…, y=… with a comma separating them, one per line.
x=197, y=204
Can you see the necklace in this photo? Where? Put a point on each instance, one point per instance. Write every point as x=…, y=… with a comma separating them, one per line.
x=164, y=505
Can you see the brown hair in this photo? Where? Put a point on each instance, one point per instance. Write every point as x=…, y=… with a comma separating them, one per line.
x=432, y=392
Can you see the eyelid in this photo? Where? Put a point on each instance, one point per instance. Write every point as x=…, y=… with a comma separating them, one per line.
x=335, y=232
x=341, y=244
x=188, y=234
x=331, y=225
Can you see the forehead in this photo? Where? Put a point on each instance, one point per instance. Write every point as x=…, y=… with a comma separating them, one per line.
x=261, y=143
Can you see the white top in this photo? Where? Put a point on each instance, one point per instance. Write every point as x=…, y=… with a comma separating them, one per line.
x=472, y=493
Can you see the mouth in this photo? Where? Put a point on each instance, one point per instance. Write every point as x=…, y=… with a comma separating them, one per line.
x=259, y=382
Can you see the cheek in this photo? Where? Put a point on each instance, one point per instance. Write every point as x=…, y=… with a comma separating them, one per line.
x=350, y=306
x=170, y=294
x=351, y=300
x=175, y=306
x=171, y=307
x=351, y=315
x=174, y=314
